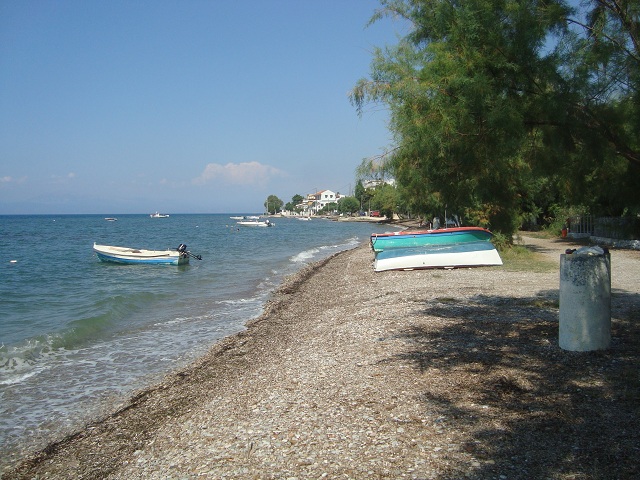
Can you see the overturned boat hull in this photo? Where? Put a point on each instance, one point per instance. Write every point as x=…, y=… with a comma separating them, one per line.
x=471, y=254
x=419, y=238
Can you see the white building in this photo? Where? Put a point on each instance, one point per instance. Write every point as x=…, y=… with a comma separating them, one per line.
x=317, y=201
x=377, y=183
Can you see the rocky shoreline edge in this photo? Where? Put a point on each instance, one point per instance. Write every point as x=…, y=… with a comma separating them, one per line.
x=353, y=374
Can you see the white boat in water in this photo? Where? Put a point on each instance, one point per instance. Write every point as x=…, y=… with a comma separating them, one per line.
x=159, y=215
x=256, y=223
x=472, y=254
x=127, y=255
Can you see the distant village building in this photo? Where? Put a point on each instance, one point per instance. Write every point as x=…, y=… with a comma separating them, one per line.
x=377, y=183
x=314, y=202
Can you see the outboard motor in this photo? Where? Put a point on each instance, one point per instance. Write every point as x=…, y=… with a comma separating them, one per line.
x=182, y=249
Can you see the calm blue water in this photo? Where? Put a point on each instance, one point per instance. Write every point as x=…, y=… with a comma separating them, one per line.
x=77, y=336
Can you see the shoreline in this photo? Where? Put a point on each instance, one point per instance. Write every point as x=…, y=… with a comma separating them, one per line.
x=348, y=372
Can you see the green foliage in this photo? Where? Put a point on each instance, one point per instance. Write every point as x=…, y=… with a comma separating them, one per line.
x=360, y=192
x=559, y=216
x=328, y=209
x=517, y=258
x=273, y=204
x=502, y=242
x=292, y=206
x=385, y=199
x=503, y=109
x=348, y=205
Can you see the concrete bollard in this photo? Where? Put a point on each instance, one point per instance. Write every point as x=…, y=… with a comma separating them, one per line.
x=585, y=302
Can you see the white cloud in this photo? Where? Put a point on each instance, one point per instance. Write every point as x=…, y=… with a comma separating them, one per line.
x=247, y=173
x=7, y=179
x=62, y=178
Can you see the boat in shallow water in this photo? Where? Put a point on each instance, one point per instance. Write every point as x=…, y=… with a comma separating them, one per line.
x=127, y=255
x=419, y=238
x=454, y=255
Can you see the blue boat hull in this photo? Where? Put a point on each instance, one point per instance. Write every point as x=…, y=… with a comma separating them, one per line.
x=447, y=236
x=146, y=261
x=131, y=256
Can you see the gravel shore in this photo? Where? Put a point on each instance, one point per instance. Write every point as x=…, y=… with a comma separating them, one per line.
x=355, y=374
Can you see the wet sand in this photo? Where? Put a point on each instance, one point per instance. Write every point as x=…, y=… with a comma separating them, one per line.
x=355, y=374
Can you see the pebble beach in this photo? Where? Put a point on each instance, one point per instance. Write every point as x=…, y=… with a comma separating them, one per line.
x=348, y=373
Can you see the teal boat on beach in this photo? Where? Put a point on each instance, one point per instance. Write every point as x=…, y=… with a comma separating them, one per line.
x=421, y=238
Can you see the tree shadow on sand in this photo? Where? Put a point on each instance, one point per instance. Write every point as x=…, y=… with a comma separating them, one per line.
x=528, y=408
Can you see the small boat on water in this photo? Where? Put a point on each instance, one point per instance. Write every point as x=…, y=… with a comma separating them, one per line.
x=159, y=215
x=256, y=223
x=127, y=255
x=111, y=219
x=419, y=238
x=453, y=255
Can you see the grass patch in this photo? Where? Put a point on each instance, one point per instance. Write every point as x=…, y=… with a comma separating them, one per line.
x=518, y=258
x=548, y=234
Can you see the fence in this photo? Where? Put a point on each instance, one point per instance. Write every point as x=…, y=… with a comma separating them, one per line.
x=619, y=228
x=580, y=226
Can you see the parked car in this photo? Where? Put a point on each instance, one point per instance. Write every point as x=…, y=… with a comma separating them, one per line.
x=375, y=213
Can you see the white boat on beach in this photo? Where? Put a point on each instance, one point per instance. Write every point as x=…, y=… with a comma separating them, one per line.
x=472, y=254
x=127, y=255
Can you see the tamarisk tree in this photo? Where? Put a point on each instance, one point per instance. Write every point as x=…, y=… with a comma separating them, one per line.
x=499, y=108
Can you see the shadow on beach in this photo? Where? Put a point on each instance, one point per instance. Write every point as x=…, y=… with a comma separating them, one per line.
x=350, y=373
x=526, y=406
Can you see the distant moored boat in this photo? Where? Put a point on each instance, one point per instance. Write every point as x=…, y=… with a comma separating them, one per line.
x=256, y=223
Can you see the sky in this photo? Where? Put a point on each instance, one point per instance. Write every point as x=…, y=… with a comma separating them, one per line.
x=183, y=106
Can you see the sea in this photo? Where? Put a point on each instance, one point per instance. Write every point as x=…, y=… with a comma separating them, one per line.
x=78, y=336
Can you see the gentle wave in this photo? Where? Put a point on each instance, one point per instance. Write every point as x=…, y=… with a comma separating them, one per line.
x=34, y=351
x=311, y=254
x=18, y=378
x=305, y=256
x=76, y=342
x=18, y=358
